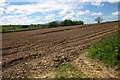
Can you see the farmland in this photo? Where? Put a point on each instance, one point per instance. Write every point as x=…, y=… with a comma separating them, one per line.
x=40, y=52
x=17, y=28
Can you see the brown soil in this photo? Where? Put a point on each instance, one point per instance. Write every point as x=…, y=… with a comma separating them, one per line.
x=38, y=52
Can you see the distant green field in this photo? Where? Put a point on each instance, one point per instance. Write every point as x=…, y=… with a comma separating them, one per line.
x=107, y=50
x=16, y=28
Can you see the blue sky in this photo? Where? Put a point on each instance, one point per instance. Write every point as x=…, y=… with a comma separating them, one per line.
x=44, y=11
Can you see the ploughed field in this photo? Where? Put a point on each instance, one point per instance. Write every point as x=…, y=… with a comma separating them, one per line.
x=37, y=52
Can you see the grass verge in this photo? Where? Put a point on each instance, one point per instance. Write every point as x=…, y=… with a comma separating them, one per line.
x=107, y=50
x=66, y=70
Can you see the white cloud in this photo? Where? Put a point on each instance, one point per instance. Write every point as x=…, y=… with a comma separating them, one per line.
x=111, y=1
x=67, y=1
x=40, y=7
x=15, y=19
x=21, y=9
x=61, y=0
x=24, y=0
x=83, y=12
x=2, y=10
x=85, y=0
x=29, y=9
x=67, y=17
x=48, y=17
x=96, y=13
x=116, y=13
x=40, y=0
x=98, y=4
x=70, y=16
x=65, y=12
x=88, y=12
x=75, y=15
x=2, y=2
x=37, y=18
x=110, y=18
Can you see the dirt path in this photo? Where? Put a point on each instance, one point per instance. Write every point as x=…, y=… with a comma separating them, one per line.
x=94, y=68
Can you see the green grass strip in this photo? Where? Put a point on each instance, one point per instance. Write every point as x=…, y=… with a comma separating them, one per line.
x=66, y=70
x=107, y=50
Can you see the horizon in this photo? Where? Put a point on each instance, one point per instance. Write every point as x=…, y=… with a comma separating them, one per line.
x=47, y=23
x=28, y=12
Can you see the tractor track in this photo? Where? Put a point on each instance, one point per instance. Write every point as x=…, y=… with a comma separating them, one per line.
x=64, y=40
x=81, y=40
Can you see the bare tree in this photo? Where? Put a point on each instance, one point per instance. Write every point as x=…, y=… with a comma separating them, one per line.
x=98, y=19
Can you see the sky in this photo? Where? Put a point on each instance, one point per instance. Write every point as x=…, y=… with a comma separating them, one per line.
x=43, y=11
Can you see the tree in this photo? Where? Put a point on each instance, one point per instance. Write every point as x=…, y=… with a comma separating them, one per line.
x=53, y=24
x=66, y=23
x=77, y=22
x=98, y=19
x=24, y=26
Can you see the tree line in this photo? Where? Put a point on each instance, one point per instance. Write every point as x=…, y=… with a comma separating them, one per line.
x=49, y=25
x=64, y=23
